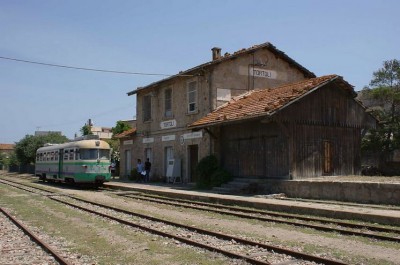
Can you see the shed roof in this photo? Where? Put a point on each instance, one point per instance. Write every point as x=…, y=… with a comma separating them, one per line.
x=266, y=102
x=228, y=56
x=126, y=133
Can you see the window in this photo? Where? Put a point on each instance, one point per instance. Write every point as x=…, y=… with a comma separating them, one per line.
x=168, y=102
x=192, y=96
x=89, y=154
x=104, y=154
x=147, y=108
x=94, y=154
x=71, y=154
x=66, y=155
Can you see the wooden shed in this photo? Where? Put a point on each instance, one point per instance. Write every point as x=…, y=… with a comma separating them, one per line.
x=300, y=130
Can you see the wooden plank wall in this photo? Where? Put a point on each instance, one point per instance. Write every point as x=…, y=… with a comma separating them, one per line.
x=255, y=149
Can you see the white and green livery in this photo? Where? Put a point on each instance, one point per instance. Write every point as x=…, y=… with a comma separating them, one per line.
x=80, y=161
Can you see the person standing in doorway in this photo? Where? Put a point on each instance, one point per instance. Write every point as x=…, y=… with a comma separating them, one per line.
x=147, y=167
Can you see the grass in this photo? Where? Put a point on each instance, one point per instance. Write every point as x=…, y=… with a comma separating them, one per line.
x=103, y=241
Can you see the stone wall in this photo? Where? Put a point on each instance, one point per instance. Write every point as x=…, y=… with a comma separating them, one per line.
x=374, y=193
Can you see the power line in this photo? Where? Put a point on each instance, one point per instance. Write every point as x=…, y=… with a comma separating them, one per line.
x=84, y=68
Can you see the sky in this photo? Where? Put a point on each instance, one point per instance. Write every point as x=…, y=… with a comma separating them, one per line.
x=351, y=38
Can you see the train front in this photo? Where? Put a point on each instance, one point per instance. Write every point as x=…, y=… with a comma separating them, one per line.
x=94, y=162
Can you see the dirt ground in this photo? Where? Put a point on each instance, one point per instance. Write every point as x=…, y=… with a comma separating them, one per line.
x=296, y=237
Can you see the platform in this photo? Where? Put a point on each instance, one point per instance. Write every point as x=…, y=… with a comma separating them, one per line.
x=360, y=212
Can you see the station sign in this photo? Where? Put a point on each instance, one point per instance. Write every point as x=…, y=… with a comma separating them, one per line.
x=127, y=142
x=148, y=140
x=168, y=124
x=188, y=136
x=263, y=73
x=167, y=138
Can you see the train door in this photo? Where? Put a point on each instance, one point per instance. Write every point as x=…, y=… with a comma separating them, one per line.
x=60, y=162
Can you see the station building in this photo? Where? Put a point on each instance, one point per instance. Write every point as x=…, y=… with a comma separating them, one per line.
x=308, y=127
x=166, y=108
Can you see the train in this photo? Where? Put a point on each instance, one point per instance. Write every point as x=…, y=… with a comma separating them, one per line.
x=83, y=160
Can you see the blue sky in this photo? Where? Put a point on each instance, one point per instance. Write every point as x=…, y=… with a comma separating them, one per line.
x=348, y=38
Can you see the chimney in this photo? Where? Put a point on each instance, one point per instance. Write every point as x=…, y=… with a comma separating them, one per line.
x=216, y=53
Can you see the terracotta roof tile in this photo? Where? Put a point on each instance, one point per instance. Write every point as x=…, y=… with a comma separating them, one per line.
x=126, y=133
x=7, y=146
x=263, y=102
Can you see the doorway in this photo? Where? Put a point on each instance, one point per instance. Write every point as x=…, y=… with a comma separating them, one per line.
x=128, y=162
x=193, y=160
x=328, y=157
x=168, y=154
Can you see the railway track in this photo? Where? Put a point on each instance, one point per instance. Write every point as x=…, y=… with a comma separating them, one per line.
x=28, y=251
x=253, y=252
x=269, y=216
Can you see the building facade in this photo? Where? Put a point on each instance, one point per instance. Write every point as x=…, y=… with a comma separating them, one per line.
x=166, y=108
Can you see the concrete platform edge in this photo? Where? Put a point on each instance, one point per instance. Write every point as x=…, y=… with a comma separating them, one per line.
x=258, y=203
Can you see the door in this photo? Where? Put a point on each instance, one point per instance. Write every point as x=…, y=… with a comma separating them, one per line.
x=328, y=157
x=60, y=162
x=193, y=161
x=168, y=154
x=128, y=162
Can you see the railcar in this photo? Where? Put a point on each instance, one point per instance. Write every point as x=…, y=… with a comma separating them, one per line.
x=80, y=161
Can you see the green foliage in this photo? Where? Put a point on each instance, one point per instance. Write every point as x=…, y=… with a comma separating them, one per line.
x=86, y=130
x=114, y=144
x=8, y=159
x=120, y=127
x=385, y=93
x=210, y=174
x=25, y=149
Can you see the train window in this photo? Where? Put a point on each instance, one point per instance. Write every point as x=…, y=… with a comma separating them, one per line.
x=94, y=154
x=56, y=157
x=104, y=154
x=71, y=154
x=77, y=154
x=65, y=154
x=52, y=156
x=89, y=154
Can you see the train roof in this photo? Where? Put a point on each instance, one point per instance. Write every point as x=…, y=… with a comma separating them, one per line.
x=79, y=144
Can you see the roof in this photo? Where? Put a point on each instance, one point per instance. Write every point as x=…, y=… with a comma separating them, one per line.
x=228, y=56
x=126, y=133
x=7, y=146
x=266, y=102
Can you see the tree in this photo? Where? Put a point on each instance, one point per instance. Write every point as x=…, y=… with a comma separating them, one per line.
x=25, y=149
x=384, y=93
x=86, y=130
x=120, y=127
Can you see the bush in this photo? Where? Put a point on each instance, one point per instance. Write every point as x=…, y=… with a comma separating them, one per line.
x=135, y=176
x=220, y=177
x=210, y=174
